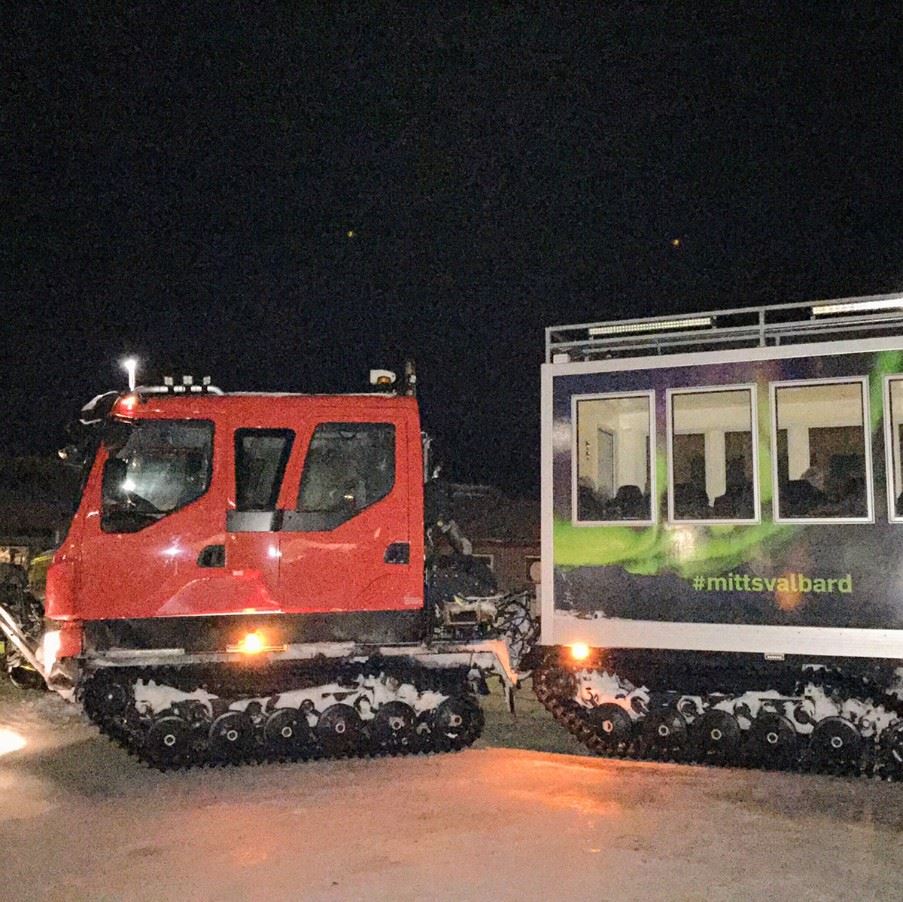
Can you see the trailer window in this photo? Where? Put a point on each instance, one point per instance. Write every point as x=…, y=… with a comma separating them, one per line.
x=154, y=467
x=613, y=476
x=260, y=459
x=822, y=465
x=712, y=459
x=348, y=468
x=893, y=424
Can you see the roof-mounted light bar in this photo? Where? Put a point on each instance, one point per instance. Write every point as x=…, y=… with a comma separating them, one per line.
x=187, y=385
x=666, y=325
x=893, y=303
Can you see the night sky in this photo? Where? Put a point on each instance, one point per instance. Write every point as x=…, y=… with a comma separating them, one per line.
x=284, y=198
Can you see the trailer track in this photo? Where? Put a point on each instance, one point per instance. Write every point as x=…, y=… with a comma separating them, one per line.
x=816, y=719
x=186, y=716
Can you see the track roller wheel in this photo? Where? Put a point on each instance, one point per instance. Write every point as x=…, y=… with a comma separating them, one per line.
x=612, y=727
x=231, y=736
x=457, y=723
x=168, y=742
x=105, y=697
x=340, y=730
x=559, y=682
x=835, y=743
x=664, y=732
x=715, y=736
x=286, y=733
x=772, y=741
x=25, y=678
x=892, y=751
x=394, y=727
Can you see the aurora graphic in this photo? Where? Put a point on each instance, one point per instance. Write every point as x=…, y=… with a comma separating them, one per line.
x=767, y=558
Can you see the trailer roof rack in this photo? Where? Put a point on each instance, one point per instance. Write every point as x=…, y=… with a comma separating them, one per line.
x=859, y=317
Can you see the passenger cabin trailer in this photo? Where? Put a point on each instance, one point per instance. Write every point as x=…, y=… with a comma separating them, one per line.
x=722, y=532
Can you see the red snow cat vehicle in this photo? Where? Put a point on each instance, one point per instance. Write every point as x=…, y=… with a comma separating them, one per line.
x=244, y=579
x=254, y=576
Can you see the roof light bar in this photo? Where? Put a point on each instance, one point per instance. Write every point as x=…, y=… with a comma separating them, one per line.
x=667, y=325
x=895, y=303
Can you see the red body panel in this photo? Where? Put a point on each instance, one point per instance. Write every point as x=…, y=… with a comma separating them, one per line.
x=155, y=572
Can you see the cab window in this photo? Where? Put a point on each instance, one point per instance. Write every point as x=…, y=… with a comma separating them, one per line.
x=154, y=468
x=260, y=459
x=348, y=468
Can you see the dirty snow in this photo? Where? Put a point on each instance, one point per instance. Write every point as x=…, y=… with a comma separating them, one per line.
x=79, y=819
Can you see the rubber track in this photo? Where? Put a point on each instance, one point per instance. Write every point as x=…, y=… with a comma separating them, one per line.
x=232, y=685
x=550, y=679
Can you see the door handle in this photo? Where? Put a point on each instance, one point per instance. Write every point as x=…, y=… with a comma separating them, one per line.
x=212, y=556
x=398, y=553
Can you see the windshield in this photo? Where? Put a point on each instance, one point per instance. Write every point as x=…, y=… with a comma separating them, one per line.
x=154, y=468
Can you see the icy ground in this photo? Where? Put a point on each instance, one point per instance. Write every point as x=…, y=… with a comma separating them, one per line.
x=79, y=819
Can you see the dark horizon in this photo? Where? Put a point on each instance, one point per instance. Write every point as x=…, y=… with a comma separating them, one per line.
x=285, y=199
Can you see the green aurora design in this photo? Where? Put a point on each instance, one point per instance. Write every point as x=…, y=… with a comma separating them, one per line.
x=699, y=548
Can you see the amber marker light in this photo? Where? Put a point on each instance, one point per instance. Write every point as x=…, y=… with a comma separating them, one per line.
x=127, y=403
x=579, y=651
x=253, y=643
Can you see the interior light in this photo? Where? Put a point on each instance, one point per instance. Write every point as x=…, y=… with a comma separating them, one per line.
x=663, y=325
x=894, y=303
x=579, y=651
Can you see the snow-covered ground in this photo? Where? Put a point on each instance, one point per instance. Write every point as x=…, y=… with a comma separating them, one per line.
x=79, y=819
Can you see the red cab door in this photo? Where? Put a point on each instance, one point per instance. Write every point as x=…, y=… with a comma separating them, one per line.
x=353, y=539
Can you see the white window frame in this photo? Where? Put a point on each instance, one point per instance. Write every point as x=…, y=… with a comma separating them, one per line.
x=863, y=382
x=754, y=428
x=649, y=395
x=890, y=446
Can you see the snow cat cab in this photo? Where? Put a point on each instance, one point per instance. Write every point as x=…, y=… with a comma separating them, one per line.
x=722, y=535
x=244, y=578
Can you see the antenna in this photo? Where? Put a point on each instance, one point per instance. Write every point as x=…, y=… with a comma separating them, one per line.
x=409, y=386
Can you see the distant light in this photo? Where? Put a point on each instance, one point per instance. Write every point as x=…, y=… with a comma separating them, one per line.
x=579, y=651
x=895, y=303
x=697, y=322
x=130, y=365
x=10, y=741
x=675, y=242
x=351, y=233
